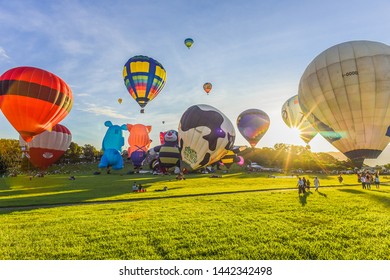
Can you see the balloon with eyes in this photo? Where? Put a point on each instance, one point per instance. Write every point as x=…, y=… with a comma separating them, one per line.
x=113, y=142
x=139, y=142
x=168, y=154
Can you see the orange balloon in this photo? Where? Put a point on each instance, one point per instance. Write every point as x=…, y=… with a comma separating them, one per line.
x=34, y=100
x=207, y=87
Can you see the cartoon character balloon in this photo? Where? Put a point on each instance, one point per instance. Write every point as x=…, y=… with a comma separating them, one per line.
x=139, y=142
x=207, y=87
x=232, y=157
x=47, y=147
x=34, y=100
x=345, y=91
x=188, y=42
x=253, y=124
x=294, y=118
x=113, y=142
x=205, y=136
x=144, y=78
x=168, y=152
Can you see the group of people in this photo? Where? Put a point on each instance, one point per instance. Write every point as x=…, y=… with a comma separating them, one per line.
x=367, y=179
x=137, y=188
x=304, y=184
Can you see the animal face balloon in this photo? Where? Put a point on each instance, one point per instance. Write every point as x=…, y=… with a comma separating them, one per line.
x=34, y=100
x=205, y=136
x=345, y=92
x=139, y=142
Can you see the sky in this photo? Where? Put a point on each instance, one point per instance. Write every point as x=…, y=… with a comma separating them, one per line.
x=253, y=52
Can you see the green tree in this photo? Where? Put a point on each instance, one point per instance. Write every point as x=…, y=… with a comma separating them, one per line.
x=73, y=154
x=90, y=153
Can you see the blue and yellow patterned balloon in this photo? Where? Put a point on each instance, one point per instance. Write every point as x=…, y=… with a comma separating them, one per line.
x=188, y=42
x=144, y=78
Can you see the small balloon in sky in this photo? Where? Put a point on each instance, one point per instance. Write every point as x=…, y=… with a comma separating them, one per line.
x=207, y=87
x=188, y=42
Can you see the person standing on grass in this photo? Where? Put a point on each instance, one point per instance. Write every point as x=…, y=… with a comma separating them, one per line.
x=308, y=184
x=377, y=182
x=363, y=180
x=316, y=183
x=368, y=181
x=301, y=188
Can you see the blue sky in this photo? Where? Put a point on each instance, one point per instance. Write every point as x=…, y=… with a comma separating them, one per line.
x=253, y=52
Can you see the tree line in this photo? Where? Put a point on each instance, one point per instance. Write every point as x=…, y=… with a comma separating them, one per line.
x=282, y=156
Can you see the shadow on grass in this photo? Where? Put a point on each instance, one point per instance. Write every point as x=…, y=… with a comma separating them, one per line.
x=59, y=190
x=372, y=194
x=303, y=197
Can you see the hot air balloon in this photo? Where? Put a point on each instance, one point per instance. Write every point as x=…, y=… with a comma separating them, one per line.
x=232, y=157
x=120, y=100
x=188, y=42
x=47, y=148
x=113, y=142
x=207, y=87
x=144, y=78
x=34, y=100
x=139, y=142
x=253, y=124
x=345, y=92
x=205, y=136
x=294, y=118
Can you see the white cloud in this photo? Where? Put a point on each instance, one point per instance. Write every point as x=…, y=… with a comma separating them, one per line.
x=103, y=111
x=3, y=54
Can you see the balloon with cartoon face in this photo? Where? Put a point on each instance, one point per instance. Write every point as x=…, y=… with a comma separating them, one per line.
x=113, y=142
x=205, y=136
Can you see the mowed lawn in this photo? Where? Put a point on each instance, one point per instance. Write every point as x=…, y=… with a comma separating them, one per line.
x=239, y=216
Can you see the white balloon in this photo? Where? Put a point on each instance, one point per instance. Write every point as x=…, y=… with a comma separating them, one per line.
x=294, y=118
x=345, y=92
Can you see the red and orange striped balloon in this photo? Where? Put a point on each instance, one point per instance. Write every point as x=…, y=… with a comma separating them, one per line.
x=34, y=100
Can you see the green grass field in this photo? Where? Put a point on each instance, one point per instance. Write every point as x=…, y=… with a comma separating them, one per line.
x=237, y=217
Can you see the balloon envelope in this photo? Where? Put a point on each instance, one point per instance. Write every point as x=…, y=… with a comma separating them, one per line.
x=207, y=87
x=139, y=142
x=188, y=42
x=47, y=148
x=253, y=124
x=294, y=118
x=205, y=136
x=345, y=91
x=34, y=100
x=144, y=78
